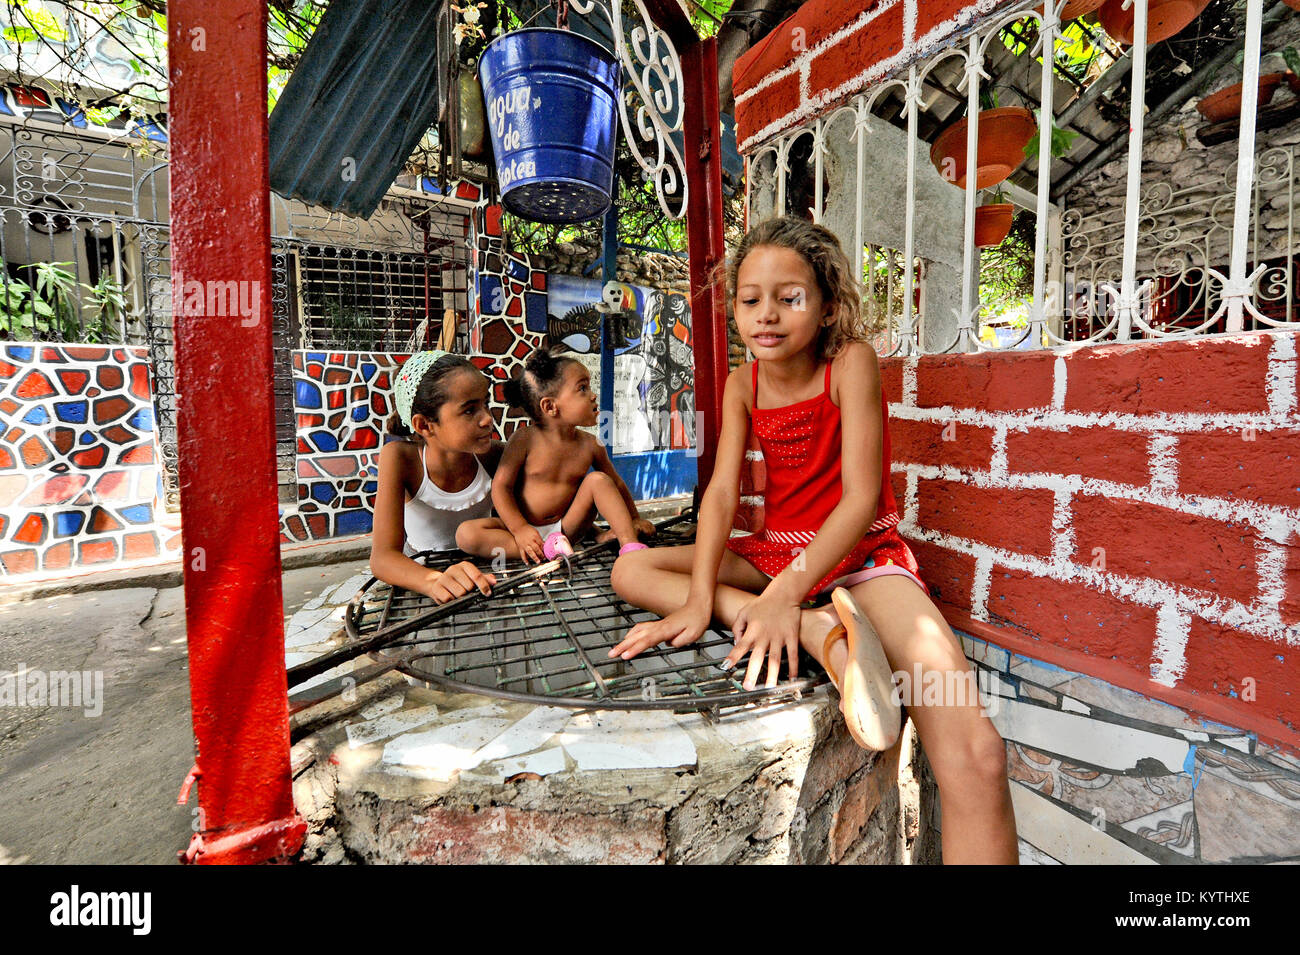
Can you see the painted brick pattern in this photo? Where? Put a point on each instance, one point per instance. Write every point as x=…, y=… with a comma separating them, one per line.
x=1136, y=505
x=830, y=50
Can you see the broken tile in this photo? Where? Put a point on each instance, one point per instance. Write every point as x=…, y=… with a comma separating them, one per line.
x=1032, y=855
x=1064, y=836
x=543, y=763
x=1035, y=671
x=1172, y=827
x=371, y=731
x=527, y=734
x=644, y=739
x=1082, y=739
x=378, y=708
x=1236, y=823
x=442, y=752
x=786, y=723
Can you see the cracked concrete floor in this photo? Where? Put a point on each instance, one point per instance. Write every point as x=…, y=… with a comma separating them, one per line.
x=102, y=790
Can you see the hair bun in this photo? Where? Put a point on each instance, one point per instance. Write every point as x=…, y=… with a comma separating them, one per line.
x=514, y=393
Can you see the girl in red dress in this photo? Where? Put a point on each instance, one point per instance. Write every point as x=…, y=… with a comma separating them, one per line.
x=812, y=396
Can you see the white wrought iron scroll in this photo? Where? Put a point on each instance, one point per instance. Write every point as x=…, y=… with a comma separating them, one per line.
x=1176, y=263
x=648, y=55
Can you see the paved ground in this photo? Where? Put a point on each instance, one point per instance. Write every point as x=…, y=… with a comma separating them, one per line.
x=77, y=788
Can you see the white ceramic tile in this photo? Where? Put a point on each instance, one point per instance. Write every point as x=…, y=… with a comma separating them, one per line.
x=756, y=726
x=371, y=731
x=1041, y=673
x=1176, y=815
x=1032, y=855
x=320, y=631
x=378, y=708
x=543, y=763
x=1064, y=836
x=527, y=734
x=1070, y=705
x=645, y=739
x=1079, y=739
x=442, y=752
x=348, y=589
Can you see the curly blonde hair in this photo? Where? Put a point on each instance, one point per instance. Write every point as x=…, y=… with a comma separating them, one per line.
x=821, y=249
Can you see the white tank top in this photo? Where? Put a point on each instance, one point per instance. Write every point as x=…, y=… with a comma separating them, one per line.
x=432, y=516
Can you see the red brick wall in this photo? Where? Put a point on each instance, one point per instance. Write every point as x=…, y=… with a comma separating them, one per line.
x=1128, y=511
x=830, y=49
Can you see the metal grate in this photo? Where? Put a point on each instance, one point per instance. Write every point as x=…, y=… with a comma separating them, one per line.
x=543, y=637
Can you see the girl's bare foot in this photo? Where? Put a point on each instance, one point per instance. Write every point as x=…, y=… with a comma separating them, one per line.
x=605, y=535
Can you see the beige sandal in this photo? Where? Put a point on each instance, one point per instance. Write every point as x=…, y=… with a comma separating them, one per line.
x=871, y=712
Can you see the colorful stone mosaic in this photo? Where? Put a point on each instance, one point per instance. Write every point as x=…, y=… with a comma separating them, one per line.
x=79, y=468
x=509, y=319
x=342, y=401
x=1101, y=774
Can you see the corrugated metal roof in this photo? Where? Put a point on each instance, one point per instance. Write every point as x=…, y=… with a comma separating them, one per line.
x=357, y=104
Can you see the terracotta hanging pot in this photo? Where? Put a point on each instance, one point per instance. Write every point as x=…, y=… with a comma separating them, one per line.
x=1077, y=8
x=1226, y=103
x=992, y=223
x=1003, y=133
x=1165, y=18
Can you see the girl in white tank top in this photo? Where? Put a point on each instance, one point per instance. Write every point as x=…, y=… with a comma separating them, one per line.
x=432, y=484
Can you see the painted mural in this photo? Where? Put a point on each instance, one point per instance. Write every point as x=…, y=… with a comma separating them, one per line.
x=654, y=381
x=79, y=469
x=1101, y=774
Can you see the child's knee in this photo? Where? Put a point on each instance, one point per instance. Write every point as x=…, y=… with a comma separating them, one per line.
x=598, y=479
x=982, y=757
x=628, y=568
x=468, y=535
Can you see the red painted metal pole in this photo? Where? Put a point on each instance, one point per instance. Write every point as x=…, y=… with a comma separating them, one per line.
x=221, y=304
x=702, y=138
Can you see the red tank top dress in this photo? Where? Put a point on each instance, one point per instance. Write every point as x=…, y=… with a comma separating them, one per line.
x=802, y=445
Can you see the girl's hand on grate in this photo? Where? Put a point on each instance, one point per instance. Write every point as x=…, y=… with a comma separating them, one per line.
x=458, y=580
x=763, y=628
x=680, y=628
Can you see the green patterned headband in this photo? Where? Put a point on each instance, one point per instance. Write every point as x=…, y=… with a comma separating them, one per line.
x=409, y=378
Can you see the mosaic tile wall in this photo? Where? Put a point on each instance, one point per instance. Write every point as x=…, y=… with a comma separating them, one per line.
x=79, y=470
x=1101, y=774
x=510, y=318
x=342, y=401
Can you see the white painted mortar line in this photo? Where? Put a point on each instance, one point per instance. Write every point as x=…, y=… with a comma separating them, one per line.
x=980, y=587
x=1282, y=376
x=909, y=382
x=1271, y=567
x=1169, y=655
x=1062, y=529
x=1273, y=522
x=1163, y=455
x=998, y=461
x=1257, y=619
x=1059, y=376
x=1052, y=420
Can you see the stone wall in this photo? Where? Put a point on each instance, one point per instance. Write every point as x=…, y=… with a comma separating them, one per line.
x=1181, y=177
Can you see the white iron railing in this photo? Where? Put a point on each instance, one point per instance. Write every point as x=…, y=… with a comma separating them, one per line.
x=1090, y=284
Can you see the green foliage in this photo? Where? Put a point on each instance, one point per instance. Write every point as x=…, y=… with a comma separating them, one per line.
x=108, y=309
x=1062, y=140
x=348, y=326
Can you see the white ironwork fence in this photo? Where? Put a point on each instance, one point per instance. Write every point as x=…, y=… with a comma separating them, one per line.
x=1180, y=262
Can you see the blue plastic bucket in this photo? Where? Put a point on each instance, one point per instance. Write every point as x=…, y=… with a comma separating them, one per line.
x=552, y=100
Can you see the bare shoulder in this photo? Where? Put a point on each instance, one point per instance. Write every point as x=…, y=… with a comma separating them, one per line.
x=741, y=383
x=856, y=364
x=402, y=458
